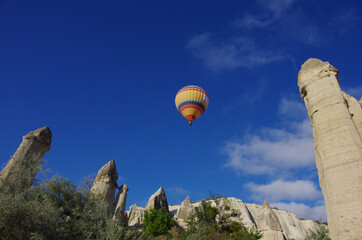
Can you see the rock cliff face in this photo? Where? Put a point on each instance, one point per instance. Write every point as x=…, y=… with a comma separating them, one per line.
x=22, y=167
x=105, y=183
x=158, y=200
x=120, y=210
x=275, y=224
x=336, y=120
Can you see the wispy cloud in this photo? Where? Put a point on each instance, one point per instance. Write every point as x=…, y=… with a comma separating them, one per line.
x=230, y=54
x=272, y=151
x=178, y=191
x=272, y=12
x=355, y=92
x=291, y=108
x=345, y=22
x=302, y=210
x=285, y=190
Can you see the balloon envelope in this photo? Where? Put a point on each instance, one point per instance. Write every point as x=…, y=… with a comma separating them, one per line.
x=191, y=101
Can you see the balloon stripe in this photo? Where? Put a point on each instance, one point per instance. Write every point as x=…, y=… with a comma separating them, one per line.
x=191, y=106
x=191, y=101
x=191, y=95
x=194, y=89
x=194, y=102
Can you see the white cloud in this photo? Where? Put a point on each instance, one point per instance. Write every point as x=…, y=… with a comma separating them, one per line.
x=232, y=54
x=302, y=210
x=285, y=190
x=273, y=151
x=275, y=9
x=291, y=108
x=277, y=6
x=178, y=191
x=355, y=92
x=345, y=22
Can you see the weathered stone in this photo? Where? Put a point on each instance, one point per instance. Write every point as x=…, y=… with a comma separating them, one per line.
x=290, y=226
x=355, y=109
x=21, y=169
x=184, y=212
x=105, y=184
x=119, y=212
x=267, y=220
x=158, y=200
x=135, y=215
x=338, y=148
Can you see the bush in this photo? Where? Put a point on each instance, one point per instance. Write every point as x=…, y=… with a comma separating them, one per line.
x=57, y=209
x=157, y=222
x=206, y=223
x=321, y=234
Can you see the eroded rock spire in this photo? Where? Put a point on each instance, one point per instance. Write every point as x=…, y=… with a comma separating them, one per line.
x=20, y=172
x=338, y=146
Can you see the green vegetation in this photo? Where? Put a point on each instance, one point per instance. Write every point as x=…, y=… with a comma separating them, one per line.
x=157, y=222
x=321, y=234
x=57, y=209
x=207, y=222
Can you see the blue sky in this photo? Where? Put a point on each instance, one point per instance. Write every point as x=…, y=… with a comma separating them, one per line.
x=103, y=76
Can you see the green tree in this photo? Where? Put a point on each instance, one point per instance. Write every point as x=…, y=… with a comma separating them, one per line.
x=321, y=234
x=157, y=222
x=207, y=222
x=58, y=209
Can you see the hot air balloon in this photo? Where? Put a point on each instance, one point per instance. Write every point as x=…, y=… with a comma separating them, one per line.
x=191, y=101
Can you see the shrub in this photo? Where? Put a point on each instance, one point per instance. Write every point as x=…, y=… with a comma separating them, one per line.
x=321, y=234
x=206, y=223
x=157, y=222
x=57, y=209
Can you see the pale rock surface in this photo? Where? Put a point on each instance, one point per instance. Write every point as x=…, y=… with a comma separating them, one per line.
x=183, y=212
x=293, y=227
x=119, y=212
x=338, y=148
x=22, y=167
x=267, y=220
x=289, y=227
x=135, y=215
x=237, y=205
x=158, y=200
x=105, y=184
x=355, y=109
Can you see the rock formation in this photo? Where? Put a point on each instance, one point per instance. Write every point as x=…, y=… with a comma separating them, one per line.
x=354, y=108
x=184, y=212
x=105, y=184
x=268, y=223
x=135, y=215
x=274, y=223
x=119, y=212
x=338, y=146
x=21, y=169
x=158, y=200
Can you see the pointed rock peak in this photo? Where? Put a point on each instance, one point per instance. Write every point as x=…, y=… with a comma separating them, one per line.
x=41, y=136
x=186, y=202
x=266, y=205
x=108, y=171
x=124, y=188
x=159, y=191
x=158, y=200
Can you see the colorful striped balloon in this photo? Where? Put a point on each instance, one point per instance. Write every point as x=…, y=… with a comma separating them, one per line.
x=191, y=101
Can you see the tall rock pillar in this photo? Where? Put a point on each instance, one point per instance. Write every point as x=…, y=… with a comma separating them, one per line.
x=105, y=184
x=120, y=210
x=338, y=148
x=20, y=172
